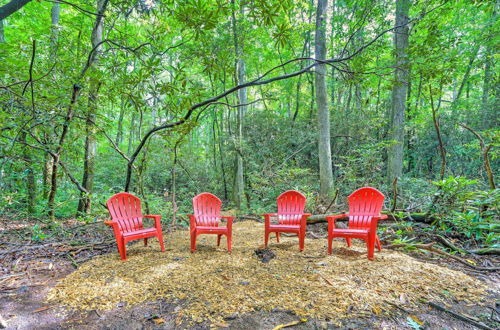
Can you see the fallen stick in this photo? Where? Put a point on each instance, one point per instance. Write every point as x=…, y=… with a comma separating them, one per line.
x=460, y=317
x=493, y=251
x=397, y=306
x=430, y=247
x=450, y=244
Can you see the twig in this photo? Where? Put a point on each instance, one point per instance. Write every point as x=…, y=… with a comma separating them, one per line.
x=333, y=200
x=397, y=306
x=459, y=316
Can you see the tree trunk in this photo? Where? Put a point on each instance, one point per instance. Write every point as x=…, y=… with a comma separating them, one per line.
x=489, y=66
x=2, y=35
x=324, y=149
x=84, y=206
x=239, y=182
x=54, y=38
x=30, y=176
x=119, y=133
x=399, y=92
x=131, y=134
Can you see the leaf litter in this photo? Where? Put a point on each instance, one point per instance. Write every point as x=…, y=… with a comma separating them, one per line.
x=214, y=284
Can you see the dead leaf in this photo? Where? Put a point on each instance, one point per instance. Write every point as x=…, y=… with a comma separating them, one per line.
x=41, y=309
x=225, y=277
x=416, y=319
x=328, y=281
x=159, y=320
x=221, y=325
x=291, y=324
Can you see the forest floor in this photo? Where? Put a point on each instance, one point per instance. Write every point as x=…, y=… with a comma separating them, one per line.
x=32, y=265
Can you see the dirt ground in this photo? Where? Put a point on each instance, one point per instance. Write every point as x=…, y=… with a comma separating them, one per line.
x=27, y=275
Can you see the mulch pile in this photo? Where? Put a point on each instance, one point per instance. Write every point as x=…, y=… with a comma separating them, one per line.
x=214, y=284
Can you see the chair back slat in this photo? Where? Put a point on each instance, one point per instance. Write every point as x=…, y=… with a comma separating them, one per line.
x=291, y=205
x=364, y=204
x=125, y=209
x=207, y=209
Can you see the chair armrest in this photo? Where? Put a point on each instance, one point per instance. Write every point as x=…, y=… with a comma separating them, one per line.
x=267, y=218
x=303, y=220
x=331, y=221
x=115, y=227
x=154, y=216
x=337, y=216
x=157, y=220
x=192, y=222
x=229, y=225
x=374, y=223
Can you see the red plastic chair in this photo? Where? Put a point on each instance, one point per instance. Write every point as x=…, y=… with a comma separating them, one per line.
x=365, y=205
x=206, y=217
x=126, y=221
x=291, y=217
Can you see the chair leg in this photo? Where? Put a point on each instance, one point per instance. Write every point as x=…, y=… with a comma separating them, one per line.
x=145, y=242
x=379, y=247
x=218, y=240
x=229, y=242
x=348, y=240
x=330, y=243
x=302, y=236
x=277, y=237
x=160, y=239
x=193, y=242
x=122, y=247
x=370, y=244
x=266, y=238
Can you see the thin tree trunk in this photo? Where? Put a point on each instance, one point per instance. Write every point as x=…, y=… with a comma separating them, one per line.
x=30, y=176
x=84, y=206
x=442, y=151
x=324, y=148
x=131, y=133
x=489, y=66
x=2, y=34
x=54, y=39
x=119, y=133
x=399, y=92
x=239, y=182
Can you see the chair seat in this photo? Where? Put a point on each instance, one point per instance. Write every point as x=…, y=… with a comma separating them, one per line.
x=211, y=228
x=285, y=227
x=349, y=231
x=140, y=232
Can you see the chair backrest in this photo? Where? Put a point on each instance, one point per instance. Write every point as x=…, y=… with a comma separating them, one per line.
x=125, y=209
x=364, y=204
x=291, y=205
x=206, y=207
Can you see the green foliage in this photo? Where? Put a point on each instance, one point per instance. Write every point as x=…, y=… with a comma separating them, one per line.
x=164, y=56
x=37, y=234
x=471, y=214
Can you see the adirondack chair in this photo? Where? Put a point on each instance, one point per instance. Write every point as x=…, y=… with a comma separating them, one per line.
x=206, y=218
x=291, y=217
x=126, y=221
x=365, y=205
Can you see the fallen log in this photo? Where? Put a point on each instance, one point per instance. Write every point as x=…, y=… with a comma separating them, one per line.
x=414, y=217
x=491, y=251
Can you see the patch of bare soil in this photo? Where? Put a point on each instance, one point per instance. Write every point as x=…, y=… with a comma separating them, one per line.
x=23, y=296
